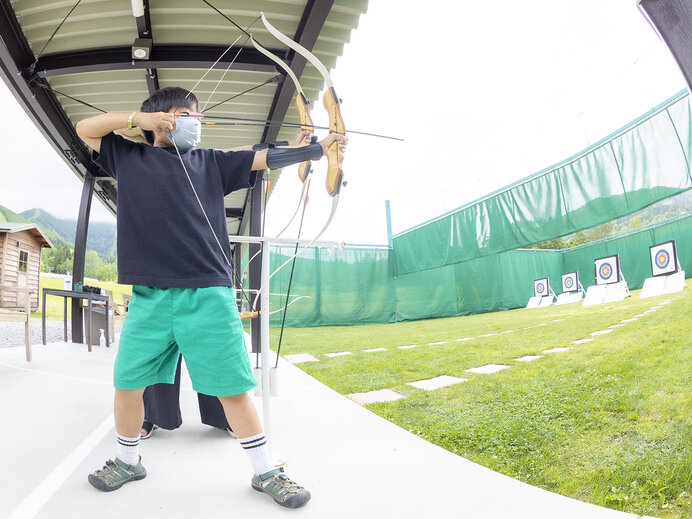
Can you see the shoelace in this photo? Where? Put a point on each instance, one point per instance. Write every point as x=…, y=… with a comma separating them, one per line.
x=107, y=469
x=287, y=484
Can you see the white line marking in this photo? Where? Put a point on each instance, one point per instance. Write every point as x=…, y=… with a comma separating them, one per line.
x=43, y=492
x=39, y=372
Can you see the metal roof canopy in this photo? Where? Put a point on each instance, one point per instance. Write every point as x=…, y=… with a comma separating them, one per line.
x=65, y=62
x=90, y=59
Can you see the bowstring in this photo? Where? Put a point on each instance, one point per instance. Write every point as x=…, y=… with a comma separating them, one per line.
x=219, y=59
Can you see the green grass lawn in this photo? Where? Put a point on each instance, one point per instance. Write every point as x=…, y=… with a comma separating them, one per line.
x=54, y=305
x=606, y=422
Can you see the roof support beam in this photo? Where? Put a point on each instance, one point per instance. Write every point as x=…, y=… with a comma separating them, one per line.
x=311, y=23
x=144, y=31
x=168, y=56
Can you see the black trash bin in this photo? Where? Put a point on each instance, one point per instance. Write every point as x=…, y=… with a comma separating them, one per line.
x=98, y=322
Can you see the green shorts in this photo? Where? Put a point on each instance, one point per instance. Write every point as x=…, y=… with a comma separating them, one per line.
x=201, y=323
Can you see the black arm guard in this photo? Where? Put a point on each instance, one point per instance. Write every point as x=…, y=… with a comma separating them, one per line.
x=270, y=144
x=281, y=157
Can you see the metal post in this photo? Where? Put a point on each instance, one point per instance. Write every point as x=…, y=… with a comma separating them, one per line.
x=389, y=223
x=264, y=334
x=80, y=253
x=238, y=268
x=255, y=267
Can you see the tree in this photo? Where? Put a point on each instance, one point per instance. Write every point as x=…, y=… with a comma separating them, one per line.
x=57, y=260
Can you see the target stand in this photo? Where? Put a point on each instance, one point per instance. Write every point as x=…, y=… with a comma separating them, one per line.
x=572, y=289
x=610, y=286
x=667, y=274
x=543, y=294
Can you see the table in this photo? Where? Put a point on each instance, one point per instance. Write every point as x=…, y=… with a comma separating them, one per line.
x=65, y=294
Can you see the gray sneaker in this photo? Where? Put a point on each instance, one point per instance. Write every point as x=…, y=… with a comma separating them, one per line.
x=115, y=474
x=284, y=491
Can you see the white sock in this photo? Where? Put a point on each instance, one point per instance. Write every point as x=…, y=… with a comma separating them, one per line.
x=258, y=451
x=128, y=449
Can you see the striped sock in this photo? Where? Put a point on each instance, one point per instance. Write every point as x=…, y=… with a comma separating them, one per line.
x=128, y=449
x=258, y=451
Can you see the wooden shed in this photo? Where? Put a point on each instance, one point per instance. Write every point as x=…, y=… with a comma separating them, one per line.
x=20, y=261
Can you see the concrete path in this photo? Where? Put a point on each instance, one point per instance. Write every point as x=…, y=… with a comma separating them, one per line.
x=56, y=414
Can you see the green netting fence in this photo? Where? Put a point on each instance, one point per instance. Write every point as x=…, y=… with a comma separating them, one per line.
x=471, y=261
x=640, y=164
x=357, y=285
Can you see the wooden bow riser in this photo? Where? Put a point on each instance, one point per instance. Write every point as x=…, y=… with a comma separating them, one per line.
x=302, y=105
x=334, y=156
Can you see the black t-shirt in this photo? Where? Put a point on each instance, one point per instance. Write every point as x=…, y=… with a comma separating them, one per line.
x=163, y=238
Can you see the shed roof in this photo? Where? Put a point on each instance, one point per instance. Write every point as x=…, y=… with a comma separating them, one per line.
x=18, y=227
x=59, y=55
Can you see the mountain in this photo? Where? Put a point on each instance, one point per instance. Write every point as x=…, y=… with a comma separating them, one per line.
x=6, y=215
x=101, y=237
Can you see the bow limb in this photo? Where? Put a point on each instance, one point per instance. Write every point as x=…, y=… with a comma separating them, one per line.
x=302, y=105
x=331, y=103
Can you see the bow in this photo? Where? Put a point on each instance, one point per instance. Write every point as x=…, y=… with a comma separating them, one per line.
x=331, y=103
x=302, y=106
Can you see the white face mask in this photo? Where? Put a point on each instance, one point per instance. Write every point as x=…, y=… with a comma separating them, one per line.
x=187, y=133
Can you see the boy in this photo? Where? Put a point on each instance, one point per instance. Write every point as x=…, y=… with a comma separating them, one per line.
x=171, y=248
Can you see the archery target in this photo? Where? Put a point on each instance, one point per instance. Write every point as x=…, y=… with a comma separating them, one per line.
x=570, y=282
x=607, y=270
x=540, y=287
x=664, y=258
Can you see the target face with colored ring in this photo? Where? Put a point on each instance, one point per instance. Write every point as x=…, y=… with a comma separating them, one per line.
x=570, y=282
x=664, y=259
x=607, y=270
x=540, y=287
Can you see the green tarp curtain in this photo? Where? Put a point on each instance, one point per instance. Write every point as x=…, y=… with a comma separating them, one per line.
x=358, y=285
x=647, y=161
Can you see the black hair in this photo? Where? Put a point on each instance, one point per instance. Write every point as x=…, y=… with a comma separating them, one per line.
x=165, y=99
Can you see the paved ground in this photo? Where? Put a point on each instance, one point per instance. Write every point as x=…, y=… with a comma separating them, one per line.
x=355, y=463
x=12, y=334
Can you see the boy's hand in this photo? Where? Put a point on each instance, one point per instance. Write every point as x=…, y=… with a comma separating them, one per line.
x=329, y=139
x=154, y=121
x=300, y=139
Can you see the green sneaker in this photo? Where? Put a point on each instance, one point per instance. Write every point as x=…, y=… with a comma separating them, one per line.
x=115, y=474
x=284, y=491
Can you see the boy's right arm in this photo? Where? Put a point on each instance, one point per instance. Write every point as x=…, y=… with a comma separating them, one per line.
x=92, y=129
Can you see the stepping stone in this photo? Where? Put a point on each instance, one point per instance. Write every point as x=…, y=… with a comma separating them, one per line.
x=338, y=354
x=629, y=320
x=582, y=341
x=436, y=343
x=488, y=369
x=648, y=312
x=639, y=315
x=555, y=350
x=407, y=347
x=372, y=397
x=600, y=332
x=528, y=358
x=487, y=335
x=616, y=325
x=299, y=358
x=375, y=349
x=507, y=331
x=436, y=383
x=464, y=339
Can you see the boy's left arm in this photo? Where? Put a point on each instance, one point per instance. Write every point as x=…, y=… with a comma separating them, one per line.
x=260, y=160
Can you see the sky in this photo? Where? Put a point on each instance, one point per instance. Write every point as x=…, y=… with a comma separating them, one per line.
x=483, y=93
